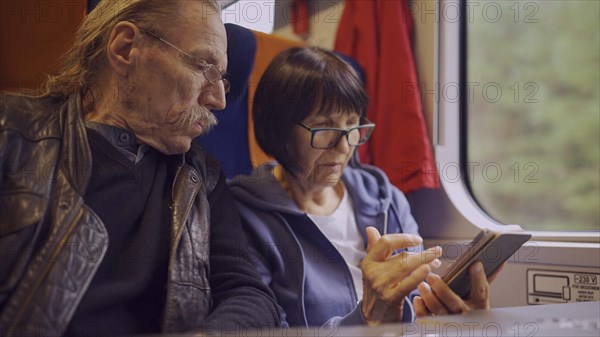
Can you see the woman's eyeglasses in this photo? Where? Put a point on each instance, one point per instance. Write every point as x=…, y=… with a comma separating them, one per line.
x=326, y=138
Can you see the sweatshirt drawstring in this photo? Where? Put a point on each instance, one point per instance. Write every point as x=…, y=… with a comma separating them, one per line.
x=385, y=222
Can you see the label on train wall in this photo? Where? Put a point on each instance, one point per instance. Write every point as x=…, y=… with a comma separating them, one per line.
x=548, y=286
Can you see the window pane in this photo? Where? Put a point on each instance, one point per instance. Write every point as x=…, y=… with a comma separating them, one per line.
x=533, y=130
x=255, y=15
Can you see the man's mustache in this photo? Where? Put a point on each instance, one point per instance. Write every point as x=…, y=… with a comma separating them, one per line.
x=197, y=114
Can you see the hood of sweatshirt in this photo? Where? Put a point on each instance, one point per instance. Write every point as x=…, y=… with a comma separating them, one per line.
x=369, y=189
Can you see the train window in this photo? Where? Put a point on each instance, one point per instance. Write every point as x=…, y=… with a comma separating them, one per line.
x=531, y=107
x=255, y=15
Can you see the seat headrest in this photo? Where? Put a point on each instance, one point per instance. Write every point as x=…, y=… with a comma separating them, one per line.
x=228, y=142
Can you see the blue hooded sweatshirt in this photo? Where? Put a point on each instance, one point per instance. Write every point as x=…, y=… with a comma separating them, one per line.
x=307, y=274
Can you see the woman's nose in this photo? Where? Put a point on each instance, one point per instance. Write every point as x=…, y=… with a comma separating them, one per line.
x=342, y=145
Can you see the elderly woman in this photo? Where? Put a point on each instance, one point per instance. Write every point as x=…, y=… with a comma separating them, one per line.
x=315, y=218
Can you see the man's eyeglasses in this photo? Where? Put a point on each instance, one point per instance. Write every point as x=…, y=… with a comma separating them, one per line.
x=210, y=71
x=327, y=138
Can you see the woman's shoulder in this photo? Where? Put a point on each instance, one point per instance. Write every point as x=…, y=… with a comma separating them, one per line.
x=260, y=191
x=368, y=179
x=260, y=179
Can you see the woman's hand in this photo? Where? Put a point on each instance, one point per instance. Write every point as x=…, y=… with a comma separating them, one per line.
x=387, y=278
x=438, y=299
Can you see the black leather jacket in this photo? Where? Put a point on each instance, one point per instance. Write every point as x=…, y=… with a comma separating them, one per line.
x=46, y=230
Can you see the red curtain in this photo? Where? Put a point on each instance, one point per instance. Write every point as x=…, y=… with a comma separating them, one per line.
x=378, y=35
x=300, y=18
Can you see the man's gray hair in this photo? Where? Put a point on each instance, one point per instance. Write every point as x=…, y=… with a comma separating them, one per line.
x=82, y=63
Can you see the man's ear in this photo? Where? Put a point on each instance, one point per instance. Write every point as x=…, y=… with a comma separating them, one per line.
x=120, y=45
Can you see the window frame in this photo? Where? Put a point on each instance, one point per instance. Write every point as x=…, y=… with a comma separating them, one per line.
x=449, y=130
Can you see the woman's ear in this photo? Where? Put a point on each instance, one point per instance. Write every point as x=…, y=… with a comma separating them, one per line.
x=120, y=46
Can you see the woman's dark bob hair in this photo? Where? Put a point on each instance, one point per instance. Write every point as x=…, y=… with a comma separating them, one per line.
x=298, y=82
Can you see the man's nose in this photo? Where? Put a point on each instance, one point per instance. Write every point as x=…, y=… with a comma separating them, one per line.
x=213, y=96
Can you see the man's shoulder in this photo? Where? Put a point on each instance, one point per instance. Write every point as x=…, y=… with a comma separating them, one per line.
x=33, y=117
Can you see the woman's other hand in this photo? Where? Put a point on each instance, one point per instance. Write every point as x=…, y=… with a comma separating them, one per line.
x=388, y=278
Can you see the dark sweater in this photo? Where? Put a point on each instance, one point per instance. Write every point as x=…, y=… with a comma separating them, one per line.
x=126, y=295
x=132, y=200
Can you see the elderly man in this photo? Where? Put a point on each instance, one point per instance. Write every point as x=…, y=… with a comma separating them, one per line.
x=111, y=222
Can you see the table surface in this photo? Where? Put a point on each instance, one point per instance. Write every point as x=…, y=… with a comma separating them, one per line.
x=568, y=319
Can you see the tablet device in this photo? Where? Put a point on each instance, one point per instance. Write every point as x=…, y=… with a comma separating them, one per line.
x=490, y=247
